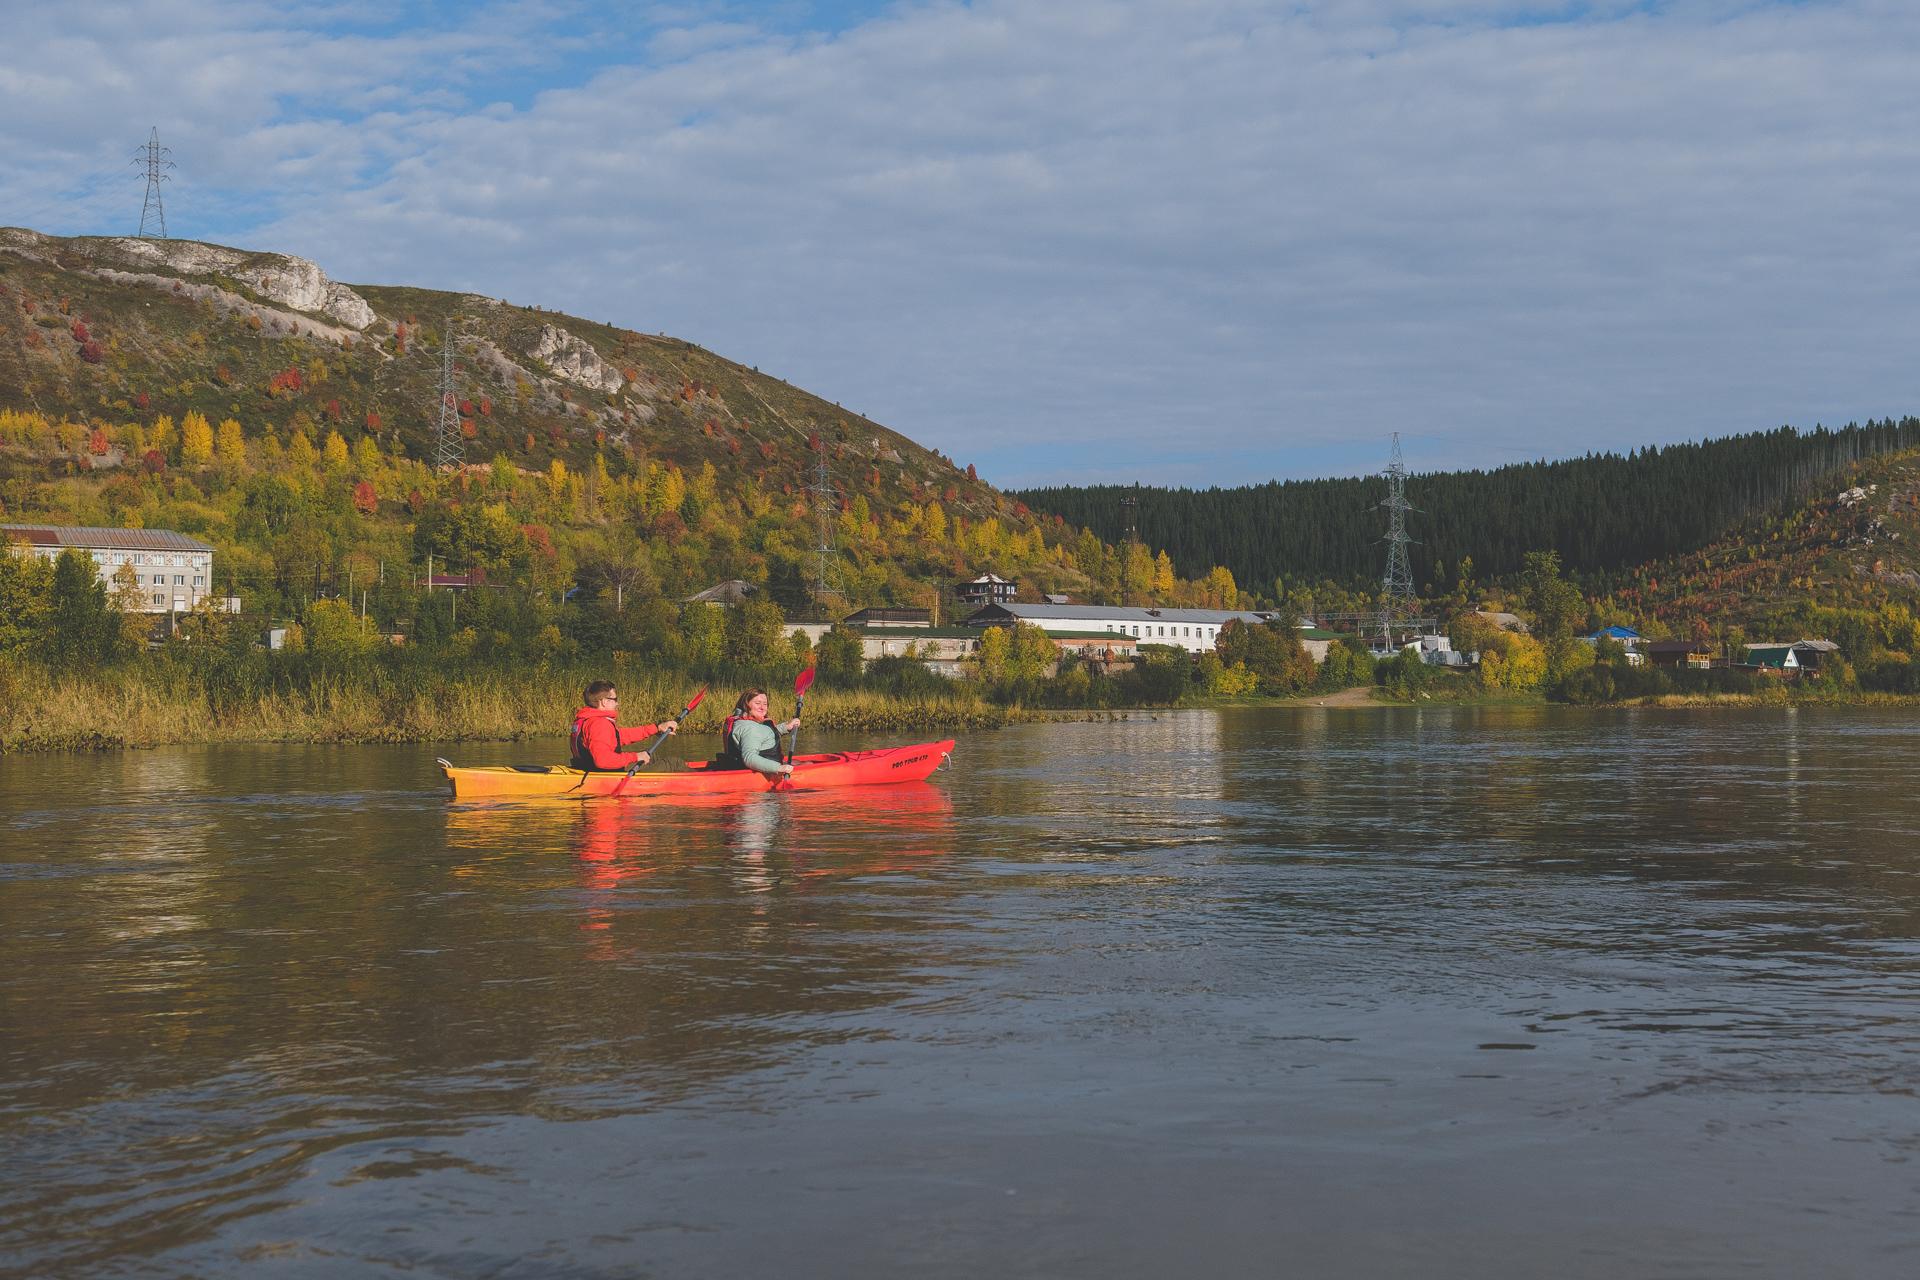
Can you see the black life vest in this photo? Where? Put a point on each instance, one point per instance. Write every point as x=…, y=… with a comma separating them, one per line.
x=729, y=757
x=581, y=757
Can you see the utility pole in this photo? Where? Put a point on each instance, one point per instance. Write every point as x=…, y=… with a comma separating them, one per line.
x=450, y=450
x=153, y=213
x=1397, y=606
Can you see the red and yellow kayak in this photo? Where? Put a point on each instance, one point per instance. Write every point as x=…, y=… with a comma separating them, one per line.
x=697, y=778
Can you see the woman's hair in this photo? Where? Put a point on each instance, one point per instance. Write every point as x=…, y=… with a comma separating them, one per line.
x=740, y=706
x=592, y=695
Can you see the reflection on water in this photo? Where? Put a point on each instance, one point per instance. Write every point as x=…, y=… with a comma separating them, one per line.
x=1410, y=992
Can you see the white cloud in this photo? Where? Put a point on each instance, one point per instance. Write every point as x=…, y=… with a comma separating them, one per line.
x=1171, y=239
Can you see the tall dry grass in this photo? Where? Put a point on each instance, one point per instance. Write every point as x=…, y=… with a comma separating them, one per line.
x=148, y=705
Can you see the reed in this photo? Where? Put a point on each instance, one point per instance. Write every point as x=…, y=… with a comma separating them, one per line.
x=149, y=705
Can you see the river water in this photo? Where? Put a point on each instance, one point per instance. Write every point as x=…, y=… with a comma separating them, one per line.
x=1451, y=992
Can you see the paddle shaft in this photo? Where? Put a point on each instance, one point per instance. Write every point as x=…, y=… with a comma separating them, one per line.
x=661, y=737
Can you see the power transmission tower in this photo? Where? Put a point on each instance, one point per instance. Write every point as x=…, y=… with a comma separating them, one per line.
x=1397, y=606
x=825, y=557
x=450, y=449
x=153, y=213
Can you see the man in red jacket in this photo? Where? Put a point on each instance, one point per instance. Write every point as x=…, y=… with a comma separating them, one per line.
x=597, y=738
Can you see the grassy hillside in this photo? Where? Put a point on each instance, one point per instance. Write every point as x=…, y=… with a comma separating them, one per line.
x=178, y=327
x=1846, y=563
x=597, y=459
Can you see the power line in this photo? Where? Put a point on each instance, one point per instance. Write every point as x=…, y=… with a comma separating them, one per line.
x=156, y=158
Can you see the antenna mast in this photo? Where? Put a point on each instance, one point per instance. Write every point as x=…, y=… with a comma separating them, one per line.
x=824, y=555
x=154, y=213
x=451, y=448
x=1129, y=510
x=1397, y=606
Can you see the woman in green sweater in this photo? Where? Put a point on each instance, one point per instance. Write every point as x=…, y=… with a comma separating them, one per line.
x=752, y=743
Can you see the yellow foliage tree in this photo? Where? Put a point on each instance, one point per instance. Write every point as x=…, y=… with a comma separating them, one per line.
x=366, y=457
x=231, y=445
x=935, y=521
x=162, y=436
x=196, y=440
x=300, y=451
x=1513, y=662
x=335, y=452
x=1162, y=575
x=1222, y=591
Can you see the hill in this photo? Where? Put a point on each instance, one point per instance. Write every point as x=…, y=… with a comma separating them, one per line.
x=1602, y=513
x=247, y=398
x=1844, y=564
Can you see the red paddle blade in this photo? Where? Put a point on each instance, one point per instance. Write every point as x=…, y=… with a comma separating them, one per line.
x=803, y=682
x=696, y=698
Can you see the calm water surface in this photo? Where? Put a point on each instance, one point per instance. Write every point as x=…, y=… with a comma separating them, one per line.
x=1423, y=993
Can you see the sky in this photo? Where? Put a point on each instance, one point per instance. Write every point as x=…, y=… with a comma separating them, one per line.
x=1070, y=241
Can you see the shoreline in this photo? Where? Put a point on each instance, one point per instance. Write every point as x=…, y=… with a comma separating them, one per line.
x=120, y=711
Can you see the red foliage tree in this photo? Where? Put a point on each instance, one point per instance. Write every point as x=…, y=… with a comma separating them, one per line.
x=416, y=501
x=486, y=406
x=813, y=441
x=466, y=408
x=467, y=428
x=971, y=473
x=373, y=421
x=334, y=410
x=143, y=400
x=91, y=352
x=97, y=441
x=154, y=461
x=80, y=333
x=365, y=501
x=539, y=539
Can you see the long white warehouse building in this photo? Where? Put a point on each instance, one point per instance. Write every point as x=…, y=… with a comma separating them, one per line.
x=1194, y=630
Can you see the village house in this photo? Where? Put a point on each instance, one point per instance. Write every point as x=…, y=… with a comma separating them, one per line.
x=1793, y=656
x=1680, y=653
x=988, y=588
x=174, y=572
x=1630, y=639
x=1195, y=630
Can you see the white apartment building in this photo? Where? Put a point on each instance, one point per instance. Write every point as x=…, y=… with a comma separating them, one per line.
x=174, y=572
x=1195, y=630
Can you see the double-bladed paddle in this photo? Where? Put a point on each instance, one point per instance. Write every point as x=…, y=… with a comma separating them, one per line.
x=801, y=683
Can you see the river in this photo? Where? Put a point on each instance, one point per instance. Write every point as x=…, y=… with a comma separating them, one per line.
x=1449, y=992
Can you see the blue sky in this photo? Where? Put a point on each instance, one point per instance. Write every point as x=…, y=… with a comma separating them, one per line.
x=1188, y=241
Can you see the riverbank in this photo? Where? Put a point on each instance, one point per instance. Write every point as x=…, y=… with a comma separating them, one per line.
x=40, y=711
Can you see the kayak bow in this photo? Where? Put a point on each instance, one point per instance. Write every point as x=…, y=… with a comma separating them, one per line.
x=810, y=773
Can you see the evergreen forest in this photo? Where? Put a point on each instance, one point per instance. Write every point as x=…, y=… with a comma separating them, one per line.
x=1602, y=513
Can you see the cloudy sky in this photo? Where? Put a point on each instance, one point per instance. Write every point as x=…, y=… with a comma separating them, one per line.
x=1188, y=241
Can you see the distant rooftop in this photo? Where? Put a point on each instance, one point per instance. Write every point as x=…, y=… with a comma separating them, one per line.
x=91, y=539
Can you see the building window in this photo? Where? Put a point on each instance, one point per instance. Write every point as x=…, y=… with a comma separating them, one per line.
x=159, y=580
x=159, y=599
x=199, y=581
x=179, y=579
